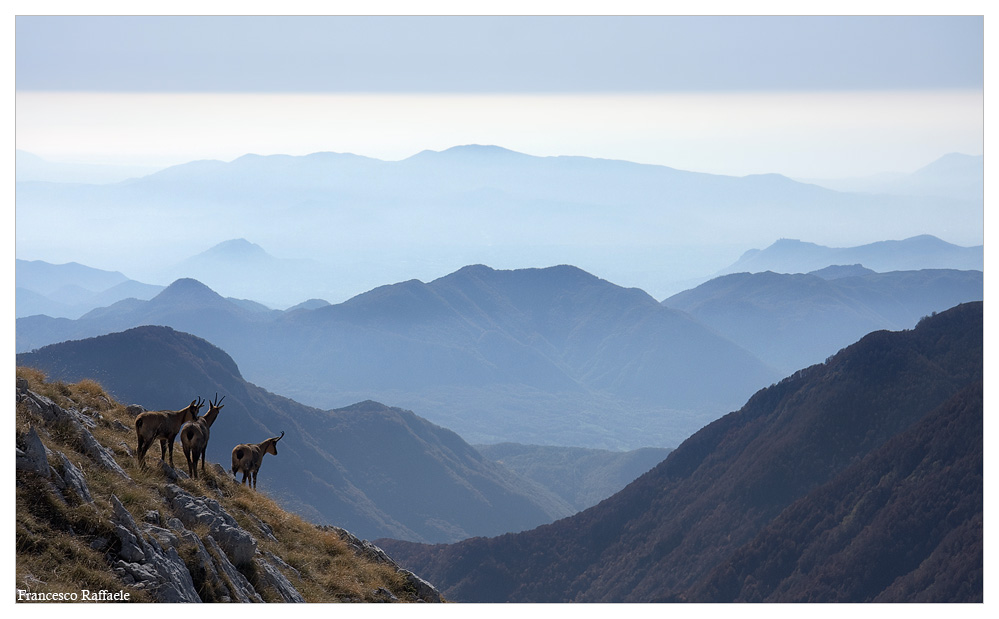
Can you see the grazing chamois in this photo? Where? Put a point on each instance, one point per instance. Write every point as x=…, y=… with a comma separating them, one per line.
x=162, y=425
x=246, y=458
x=194, y=436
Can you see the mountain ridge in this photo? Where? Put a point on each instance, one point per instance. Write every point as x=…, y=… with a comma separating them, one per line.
x=658, y=537
x=335, y=466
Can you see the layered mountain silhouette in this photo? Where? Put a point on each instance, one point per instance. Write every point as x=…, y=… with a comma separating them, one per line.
x=241, y=269
x=794, y=320
x=374, y=221
x=954, y=174
x=71, y=290
x=582, y=477
x=856, y=480
x=545, y=356
x=374, y=469
x=911, y=254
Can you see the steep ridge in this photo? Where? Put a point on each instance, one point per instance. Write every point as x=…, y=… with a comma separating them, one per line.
x=902, y=525
x=675, y=525
x=794, y=320
x=375, y=470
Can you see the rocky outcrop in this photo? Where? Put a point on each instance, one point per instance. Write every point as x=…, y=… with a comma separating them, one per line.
x=33, y=457
x=239, y=545
x=78, y=422
x=145, y=564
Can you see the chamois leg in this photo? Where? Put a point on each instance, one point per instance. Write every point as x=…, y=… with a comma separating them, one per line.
x=140, y=452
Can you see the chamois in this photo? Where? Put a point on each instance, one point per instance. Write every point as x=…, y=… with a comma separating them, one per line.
x=162, y=425
x=194, y=436
x=246, y=458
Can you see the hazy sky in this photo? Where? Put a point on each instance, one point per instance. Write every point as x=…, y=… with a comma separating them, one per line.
x=802, y=96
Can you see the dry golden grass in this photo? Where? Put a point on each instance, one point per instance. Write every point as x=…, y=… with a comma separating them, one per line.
x=55, y=537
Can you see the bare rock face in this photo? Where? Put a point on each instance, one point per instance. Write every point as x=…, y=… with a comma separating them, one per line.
x=239, y=545
x=33, y=457
x=240, y=587
x=146, y=565
x=278, y=580
x=74, y=479
x=52, y=413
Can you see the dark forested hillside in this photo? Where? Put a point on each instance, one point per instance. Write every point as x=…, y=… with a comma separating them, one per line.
x=373, y=469
x=724, y=487
x=902, y=525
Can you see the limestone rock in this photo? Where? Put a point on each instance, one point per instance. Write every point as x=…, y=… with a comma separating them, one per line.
x=147, y=565
x=239, y=545
x=280, y=583
x=240, y=587
x=34, y=456
x=74, y=479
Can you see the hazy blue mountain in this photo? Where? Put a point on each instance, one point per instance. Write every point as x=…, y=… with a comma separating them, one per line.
x=580, y=476
x=241, y=269
x=953, y=175
x=70, y=290
x=544, y=356
x=46, y=278
x=31, y=167
x=856, y=480
x=370, y=468
x=919, y=252
x=837, y=271
x=374, y=221
x=794, y=320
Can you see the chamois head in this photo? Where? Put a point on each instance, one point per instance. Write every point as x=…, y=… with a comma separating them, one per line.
x=215, y=406
x=194, y=408
x=271, y=444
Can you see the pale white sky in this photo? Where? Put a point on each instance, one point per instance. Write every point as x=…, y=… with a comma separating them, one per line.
x=801, y=96
x=812, y=134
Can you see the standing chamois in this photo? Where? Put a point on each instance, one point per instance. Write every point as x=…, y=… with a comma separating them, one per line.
x=246, y=458
x=194, y=436
x=162, y=425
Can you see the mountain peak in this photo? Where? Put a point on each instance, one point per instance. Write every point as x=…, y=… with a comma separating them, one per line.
x=236, y=248
x=187, y=290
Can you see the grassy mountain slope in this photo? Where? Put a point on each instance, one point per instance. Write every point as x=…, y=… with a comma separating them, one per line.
x=715, y=493
x=70, y=536
x=375, y=470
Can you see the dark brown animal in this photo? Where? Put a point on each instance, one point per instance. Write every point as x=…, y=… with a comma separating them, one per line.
x=246, y=458
x=162, y=425
x=194, y=437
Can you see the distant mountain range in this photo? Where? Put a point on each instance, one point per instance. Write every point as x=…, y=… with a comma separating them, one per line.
x=954, y=175
x=32, y=168
x=582, y=477
x=241, y=269
x=857, y=480
x=71, y=290
x=544, y=356
x=792, y=321
x=374, y=221
x=375, y=469
x=912, y=254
